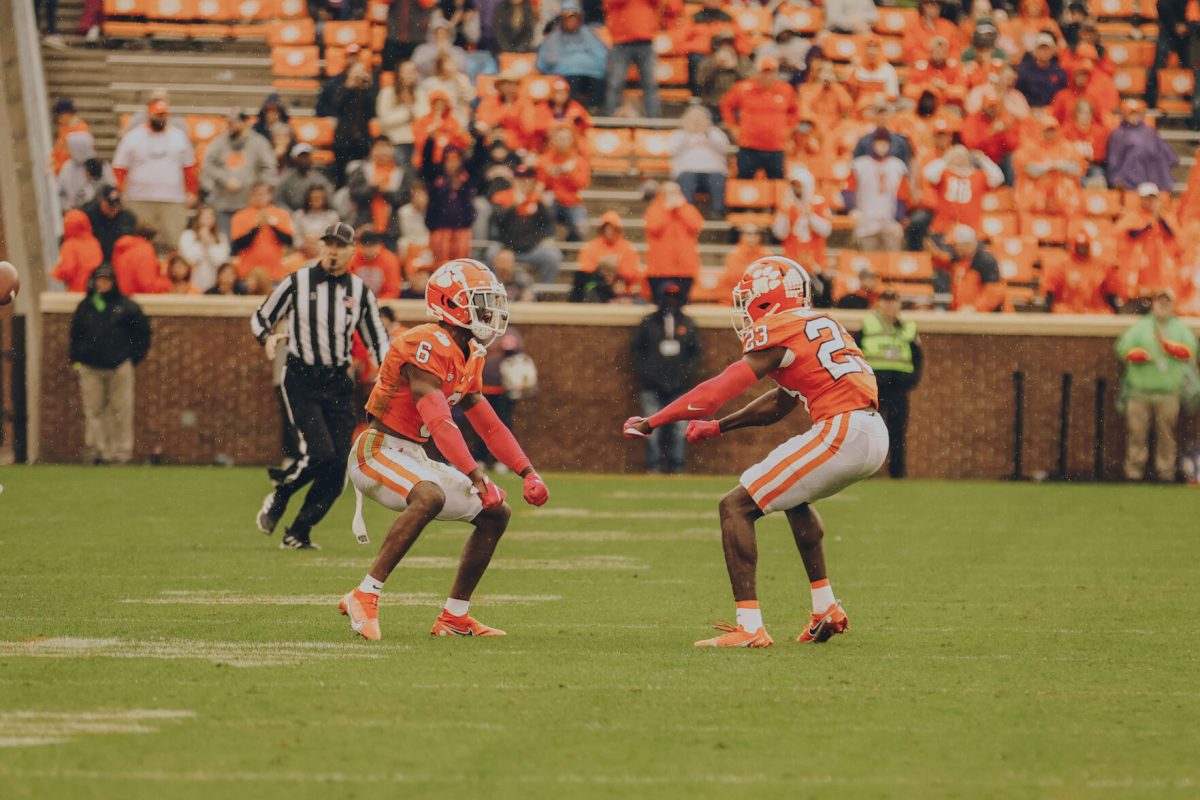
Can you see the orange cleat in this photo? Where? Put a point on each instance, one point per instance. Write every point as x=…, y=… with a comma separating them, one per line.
x=363, y=610
x=449, y=625
x=825, y=625
x=737, y=636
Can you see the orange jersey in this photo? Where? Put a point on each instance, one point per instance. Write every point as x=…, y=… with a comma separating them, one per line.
x=958, y=199
x=430, y=349
x=825, y=369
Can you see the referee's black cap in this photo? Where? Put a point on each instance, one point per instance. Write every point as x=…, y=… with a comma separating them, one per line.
x=339, y=232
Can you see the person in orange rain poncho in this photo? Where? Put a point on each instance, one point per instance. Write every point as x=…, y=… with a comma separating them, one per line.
x=1048, y=171
x=1075, y=280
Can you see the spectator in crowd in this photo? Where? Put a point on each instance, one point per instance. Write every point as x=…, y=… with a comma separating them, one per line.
x=465, y=22
x=440, y=47
x=82, y=176
x=601, y=285
x=179, y=276
x=375, y=264
x=414, y=235
x=893, y=349
x=877, y=195
x=632, y=25
x=863, y=291
x=109, y=337
x=879, y=114
x=919, y=32
x=156, y=172
x=974, y=274
x=958, y=182
x=850, y=16
x=314, y=214
x=518, y=283
x=1178, y=34
x=204, y=247
x=983, y=50
x=451, y=211
x=717, y=73
x=296, y=181
x=673, y=229
x=407, y=27
x=1137, y=152
x=233, y=162
x=503, y=109
x=993, y=132
x=749, y=249
x=454, y=83
x=135, y=263
x=1026, y=28
x=260, y=232
x=698, y=34
x=515, y=26
x=110, y=219
x=436, y=131
x=524, y=225
x=610, y=247
x=495, y=175
x=564, y=171
x=1040, y=76
x=1050, y=169
x=270, y=114
x=396, y=109
x=700, y=158
x=46, y=12
x=574, y=52
x=1148, y=250
x=1075, y=280
x=67, y=121
x=666, y=357
x=142, y=115
x=761, y=112
x=824, y=100
x=1080, y=86
x=227, y=281
x=378, y=188
x=1158, y=352
x=802, y=223
x=79, y=254
x=351, y=98
x=941, y=75
x=1089, y=137
x=872, y=75
x=556, y=110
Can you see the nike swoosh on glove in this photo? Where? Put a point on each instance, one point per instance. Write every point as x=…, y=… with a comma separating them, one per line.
x=630, y=431
x=536, y=493
x=700, y=429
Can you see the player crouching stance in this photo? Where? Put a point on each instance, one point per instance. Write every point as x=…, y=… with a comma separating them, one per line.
x=430, y=368
x=812, y=359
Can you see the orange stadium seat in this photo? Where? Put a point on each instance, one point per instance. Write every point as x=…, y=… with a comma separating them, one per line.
x=1175, y=91
x=1016, y=257
x=993, y=225
x=1130, y=80
x=171, y=9
x=249, y=31
x=296, y=62
x=1094, y=228
x=843, y=47
x=520, y=63
x=758, y=194
x=1102, y=202
x=1020, y=295
x=650, y=147
x=123, y=29
x=852, y=262
x=378, y=12
x=344, y=34
x=1044, y=228
x=292, y=9
x=170, y=30
x=1132, y=54
x=670, y=43
x=214, y=10
x=317, y=131
x=1148, y=9
x=894, y=20
x=803, y=20
x=536, y=87
x=753, y=19
x=125, y=8
x=248, y=10
x=671, y=71
x=893, y=51
x=909, y=267
x=1115, y=9
x=204, y=129
x=999, y=201
x=611, y=148
x=292, y=33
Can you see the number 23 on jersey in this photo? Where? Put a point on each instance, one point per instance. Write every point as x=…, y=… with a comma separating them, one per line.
x=834, y=354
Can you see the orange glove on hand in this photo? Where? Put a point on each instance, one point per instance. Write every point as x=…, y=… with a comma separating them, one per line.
x=1175, y=350
x=1137, y=356
x=535, y=491
x=630, y=431
x=700, y=429
x=492, y=496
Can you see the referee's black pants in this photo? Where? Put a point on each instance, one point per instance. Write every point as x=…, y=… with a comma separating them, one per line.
x=320, y=402
x=893, y=404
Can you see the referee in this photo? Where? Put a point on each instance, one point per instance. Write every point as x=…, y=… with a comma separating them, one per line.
x=324, y=305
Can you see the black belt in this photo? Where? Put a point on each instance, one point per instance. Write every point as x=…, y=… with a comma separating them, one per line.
x=299, y=365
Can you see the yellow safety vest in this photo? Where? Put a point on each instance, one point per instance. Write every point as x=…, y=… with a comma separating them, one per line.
x=886, y=347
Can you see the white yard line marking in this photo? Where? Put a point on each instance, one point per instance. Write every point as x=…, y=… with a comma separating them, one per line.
x=587, y=513
x=713, y=497
x=36, y=728
x=225, y=598
x=235, y=654
x=440, y=562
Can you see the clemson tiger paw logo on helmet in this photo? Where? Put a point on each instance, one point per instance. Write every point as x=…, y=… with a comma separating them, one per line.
x=764, y=279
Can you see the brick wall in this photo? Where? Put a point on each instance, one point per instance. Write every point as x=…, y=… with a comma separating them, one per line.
x=962, y=414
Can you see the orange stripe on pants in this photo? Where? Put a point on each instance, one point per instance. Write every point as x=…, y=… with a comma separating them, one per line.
x=834, y=446
x=377, y=455
x=374, y=474
x=775, y=471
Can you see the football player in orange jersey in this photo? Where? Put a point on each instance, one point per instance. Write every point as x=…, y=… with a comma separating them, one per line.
x=430, y=368
x=813, y=360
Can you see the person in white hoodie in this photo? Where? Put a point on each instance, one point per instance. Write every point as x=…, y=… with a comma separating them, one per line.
x=82, y=176
x=395, y=109
x=700, y=158
x=204, y=248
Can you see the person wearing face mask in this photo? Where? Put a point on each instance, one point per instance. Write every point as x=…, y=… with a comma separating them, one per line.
x=877, y=194
x=319, y=306
x=155, y=168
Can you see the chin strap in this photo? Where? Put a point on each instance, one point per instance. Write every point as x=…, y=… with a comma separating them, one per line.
x=705, y=399
x=435, y=413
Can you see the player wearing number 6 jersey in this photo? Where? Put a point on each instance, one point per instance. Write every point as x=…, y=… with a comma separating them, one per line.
x=430, y=368
x=814, y=361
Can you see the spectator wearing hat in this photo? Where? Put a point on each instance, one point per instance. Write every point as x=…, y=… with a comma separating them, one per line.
x=298, y=179
x=67, y=121
x=920, y=31
x=1025, y=28
x=502, y=110
x=1039, y=75
x=557, y=109
x=611, y=248
x=79, y=253
x=564, y=171
x=1159, y=351
x=673, y=229
x=1148, y=249
x=396, y=108
x=156, y=171
x=850, y=16
x=873, y=75
x=350, y=97
x=233, y=162
x=1082, y=87
x=761, y=112
x=803, y=224
x=81, y=178
x=893, y=349
x=877, y=195
x=375, y=264
x=959, y=181
x=1137, y=154
x=260, y=232
x=142, y=115
x=514, y=26
x=452, y=81
x=574, y=52
x=1089, y=136
x=136, y=265
x=437, y=131
x=983, y=49
x=204, y=247
x=378, y=188
x=1076, y=281
x=974, y=273
x=1049, y=169
x=717, y=73
x=110, y=219
x=632, y=24
x=440, y=46
x=992, y=131
x=700, y=158
x=525, y=226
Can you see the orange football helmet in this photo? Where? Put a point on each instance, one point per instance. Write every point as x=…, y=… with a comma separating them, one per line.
x=768, y=286
x=464, y=292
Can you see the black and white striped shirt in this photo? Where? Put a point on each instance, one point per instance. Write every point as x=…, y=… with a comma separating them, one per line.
x=324, y=312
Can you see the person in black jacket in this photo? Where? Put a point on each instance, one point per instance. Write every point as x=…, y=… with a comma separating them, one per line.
x=666, y=355
x=351, y=98
x=109, y=337
x=110, y=219
x=1175, y=35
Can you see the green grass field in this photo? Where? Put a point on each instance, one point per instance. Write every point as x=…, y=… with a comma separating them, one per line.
x=1008, y=641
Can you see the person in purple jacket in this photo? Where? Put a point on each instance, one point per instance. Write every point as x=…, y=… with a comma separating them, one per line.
x=1039, y=75
x=1137, y=154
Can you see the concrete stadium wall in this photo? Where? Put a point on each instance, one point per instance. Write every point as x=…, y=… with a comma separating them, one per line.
x=204, y=361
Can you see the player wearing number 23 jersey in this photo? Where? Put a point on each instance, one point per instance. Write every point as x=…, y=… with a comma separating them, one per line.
x=813, y=361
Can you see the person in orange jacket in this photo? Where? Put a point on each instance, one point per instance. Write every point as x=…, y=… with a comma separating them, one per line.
x=1082, y=87
x=1148, y=249
x=504, y=108
x=761, y=113
x=632, y=26
x=441, y=126
x=611, y=247
x=929, y=23
x=940, y=74
x=824, y=101
x=1049, y=169
x=136, y=264
x=802, y=223
x=974, y=274
x=260, y=232
x=378, y=267
x=748, y=250
x=564, y=171
x=557, y=110
x=80, y=253
x=1074, y=280
x=68, y=122
x=672, y=234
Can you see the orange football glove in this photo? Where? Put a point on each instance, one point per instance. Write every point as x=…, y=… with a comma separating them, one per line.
x=535, y=491
x=1137, y=355
x=700, y=429
x=492, y=496
x=1176, y=350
